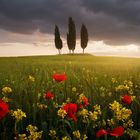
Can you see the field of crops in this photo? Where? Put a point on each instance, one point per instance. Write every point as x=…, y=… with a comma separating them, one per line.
x=69, y=97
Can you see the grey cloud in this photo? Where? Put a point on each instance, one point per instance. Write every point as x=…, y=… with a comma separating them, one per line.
x=123, y=10
x=117, y=21
x=114, y=21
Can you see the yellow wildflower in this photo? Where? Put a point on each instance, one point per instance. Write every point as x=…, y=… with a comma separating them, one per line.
x=68, y=100
x=39, y=96
x=114, y=80
x=97, y=111
x=6, y=90
x=127, y=124
x=52, y=133
x=18, y=115
x=102, y=89
x=31, y=128
x=84, y=137
x=126, y=86
x=63, y=104
x=110, y=122
x=129, y=83
x=125, y=113
x=84, y=113
x=133, y=98
x=93, y=115
x=31, y=78
x=97, y=108
x=110, y=94
x=115, y=106
x=5, y=99
x=34, y=135
x=65, y=138
x=122, y=87
x=121, y=113
x=61, y=113
x=81, y=98
x=55, y=104
x=42, y=106
x=22, y=137
x=103, y=123
x=76, y=134
x=74, y=89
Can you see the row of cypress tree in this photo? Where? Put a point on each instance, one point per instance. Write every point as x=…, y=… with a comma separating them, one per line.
x=71, y=37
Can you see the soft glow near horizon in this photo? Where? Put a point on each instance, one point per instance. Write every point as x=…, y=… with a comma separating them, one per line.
x=48, y=48
x=43, y=44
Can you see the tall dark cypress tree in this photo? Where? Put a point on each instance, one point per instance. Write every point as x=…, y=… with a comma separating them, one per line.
x=71, y=35
x=84, y=37
x=58, y=41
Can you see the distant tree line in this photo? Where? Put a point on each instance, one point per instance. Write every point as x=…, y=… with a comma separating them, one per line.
x=71, y=37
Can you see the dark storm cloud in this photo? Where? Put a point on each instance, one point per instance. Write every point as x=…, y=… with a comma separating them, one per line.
x=123, y=10
x=120, y=20
x=114, y=21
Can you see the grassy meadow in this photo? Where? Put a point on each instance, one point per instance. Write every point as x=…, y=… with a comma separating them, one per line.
x=103, y=81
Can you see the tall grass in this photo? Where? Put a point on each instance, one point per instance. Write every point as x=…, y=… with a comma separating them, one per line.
x=89, y=75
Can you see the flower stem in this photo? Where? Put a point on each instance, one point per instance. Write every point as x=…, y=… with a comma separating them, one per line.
x=105, y=137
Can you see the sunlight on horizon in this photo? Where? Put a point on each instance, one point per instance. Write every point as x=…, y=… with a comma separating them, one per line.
x=43, y=44
x=43, y=48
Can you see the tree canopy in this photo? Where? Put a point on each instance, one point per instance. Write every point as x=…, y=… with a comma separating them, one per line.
x=58, y=41
x=84, y=37
x=71, y=35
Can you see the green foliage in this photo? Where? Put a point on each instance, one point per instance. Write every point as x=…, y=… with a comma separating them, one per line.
x=96, y=77
x=58, y=41
x=84, y=37
x=71, y=35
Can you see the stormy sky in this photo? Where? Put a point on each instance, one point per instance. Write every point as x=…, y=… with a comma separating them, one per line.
x=115, y=22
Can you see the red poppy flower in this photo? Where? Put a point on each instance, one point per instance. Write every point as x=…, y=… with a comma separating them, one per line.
x=118, y=131
x=71, y=110
x=59, y=77
x=49, y=96
x=127, y=99
x=85, y=101
x=80, y=106
x=101, y=133
x=4, y=109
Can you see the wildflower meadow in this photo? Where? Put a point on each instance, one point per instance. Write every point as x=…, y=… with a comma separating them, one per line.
x=69, y=97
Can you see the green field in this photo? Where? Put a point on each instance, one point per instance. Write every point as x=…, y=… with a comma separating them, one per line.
x=95, y=77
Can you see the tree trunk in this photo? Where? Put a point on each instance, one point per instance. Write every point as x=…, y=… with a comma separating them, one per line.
x=69, y=51
x=83, y=51
x=72, y=51
x=59, y=51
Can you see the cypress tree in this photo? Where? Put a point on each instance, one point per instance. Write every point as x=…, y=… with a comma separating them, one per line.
x=58, y=41
x=84, y=37
x=71, y=35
